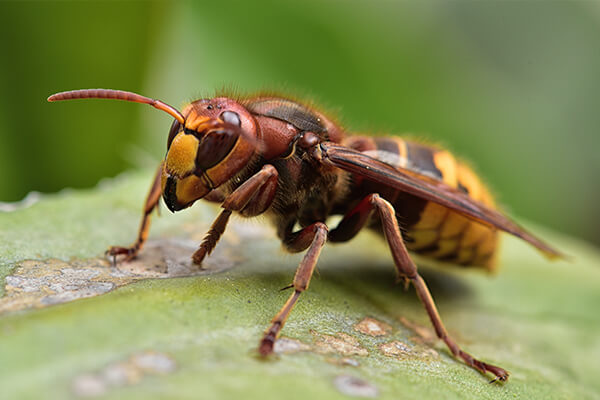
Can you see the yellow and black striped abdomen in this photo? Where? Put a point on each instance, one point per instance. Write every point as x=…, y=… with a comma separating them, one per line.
x=428, y=228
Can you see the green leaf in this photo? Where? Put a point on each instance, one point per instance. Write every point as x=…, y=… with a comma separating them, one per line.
x=73, y=326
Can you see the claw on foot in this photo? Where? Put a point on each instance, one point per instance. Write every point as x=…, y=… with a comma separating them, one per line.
x=502, y=378
x=129, y=252
x=501, y=375
x=268, y=341
x=198, y=256
x=266, y=346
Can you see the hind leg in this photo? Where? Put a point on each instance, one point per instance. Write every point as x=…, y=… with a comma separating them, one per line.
x=407, y=270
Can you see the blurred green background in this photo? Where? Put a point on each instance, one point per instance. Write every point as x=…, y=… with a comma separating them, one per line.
x=512, y=86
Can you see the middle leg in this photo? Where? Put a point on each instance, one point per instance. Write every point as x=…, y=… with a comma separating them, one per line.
x=312, y=237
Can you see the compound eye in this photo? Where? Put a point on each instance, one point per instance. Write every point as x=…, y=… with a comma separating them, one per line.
x=214, y=147
x=231, y=118
x=175, y=128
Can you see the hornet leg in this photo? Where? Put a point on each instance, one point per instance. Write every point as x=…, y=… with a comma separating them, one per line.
x=252, y=198
x=151, y=203
x=407, y=269
x=312, y=237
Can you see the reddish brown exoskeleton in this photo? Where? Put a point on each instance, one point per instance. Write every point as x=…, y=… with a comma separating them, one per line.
x=274, y=156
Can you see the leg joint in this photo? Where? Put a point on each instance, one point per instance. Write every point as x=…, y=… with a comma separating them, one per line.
x=320, y=227
x=374, y=199
x=270, y=170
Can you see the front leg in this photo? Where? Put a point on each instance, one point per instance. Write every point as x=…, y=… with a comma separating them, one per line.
x=151, y=203
x=252, y=198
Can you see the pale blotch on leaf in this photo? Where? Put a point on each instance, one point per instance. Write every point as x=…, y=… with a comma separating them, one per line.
x=423, y=334
x=401, y=350
x=285, y=345
x=38, y=284
x=344, y=362
x=123, y=373
x=341, y=343
x=355, y=387
x=371, y=326
x=153, y=362
x=326, y=344
x=396, y=349
x=89, y=385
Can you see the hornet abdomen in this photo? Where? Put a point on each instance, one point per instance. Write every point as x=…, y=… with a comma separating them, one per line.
x=428, y=228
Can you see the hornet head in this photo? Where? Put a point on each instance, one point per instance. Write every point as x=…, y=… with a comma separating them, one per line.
x=208, y=144
x=213, y=143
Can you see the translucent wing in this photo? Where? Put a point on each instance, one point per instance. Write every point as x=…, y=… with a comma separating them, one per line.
x=428, y=189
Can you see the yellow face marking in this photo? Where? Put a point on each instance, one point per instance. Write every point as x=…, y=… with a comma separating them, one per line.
x=181, y=158
x=190, y=189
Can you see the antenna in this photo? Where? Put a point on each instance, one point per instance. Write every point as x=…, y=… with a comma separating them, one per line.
x=117, y=95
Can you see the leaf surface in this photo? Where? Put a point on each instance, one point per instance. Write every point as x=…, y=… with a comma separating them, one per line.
x=72, y=326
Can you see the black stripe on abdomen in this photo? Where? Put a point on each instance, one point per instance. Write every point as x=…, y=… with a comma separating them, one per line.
x=387, y=144
x=420, y=159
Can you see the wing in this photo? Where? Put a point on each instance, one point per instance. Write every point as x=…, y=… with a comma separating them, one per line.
x=428, y=189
